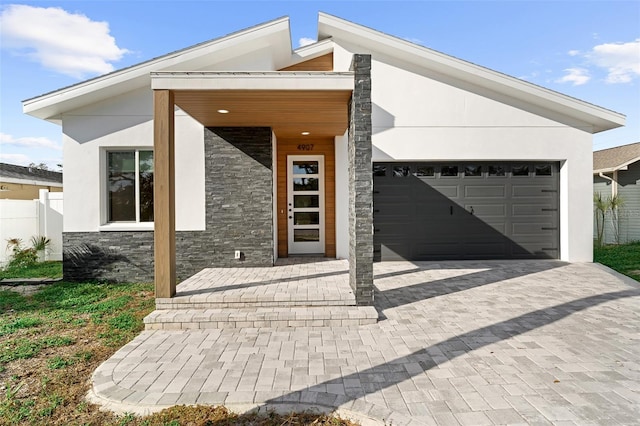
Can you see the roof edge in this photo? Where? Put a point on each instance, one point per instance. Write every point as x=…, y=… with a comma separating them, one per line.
x=29, y=104
x=470, y=69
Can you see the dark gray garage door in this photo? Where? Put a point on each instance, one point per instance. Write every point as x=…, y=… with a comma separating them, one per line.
x=481, y=210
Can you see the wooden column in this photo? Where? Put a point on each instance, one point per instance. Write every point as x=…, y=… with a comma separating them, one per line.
x=164, y=194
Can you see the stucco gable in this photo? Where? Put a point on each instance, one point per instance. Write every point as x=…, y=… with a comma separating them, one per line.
x=466, y=74
x=269, y=43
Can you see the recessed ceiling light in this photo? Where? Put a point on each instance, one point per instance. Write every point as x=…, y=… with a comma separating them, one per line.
x=223, y=111
x=305, y=133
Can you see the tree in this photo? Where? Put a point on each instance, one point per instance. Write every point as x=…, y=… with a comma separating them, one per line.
x=41, y=166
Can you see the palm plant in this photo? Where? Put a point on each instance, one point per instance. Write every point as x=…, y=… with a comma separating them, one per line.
x=615, y=203
x=601, y=205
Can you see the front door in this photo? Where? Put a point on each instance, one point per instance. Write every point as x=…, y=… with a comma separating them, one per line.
x=305, y=204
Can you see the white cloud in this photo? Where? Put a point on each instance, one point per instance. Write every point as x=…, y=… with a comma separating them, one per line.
x=19, y=159
x=621, y=60
x=29, y=142
x=573, y=52
x=576, y=76
x=71, y=44
x=305, y=41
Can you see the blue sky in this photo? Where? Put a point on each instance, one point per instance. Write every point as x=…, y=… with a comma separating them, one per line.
x=586, y=49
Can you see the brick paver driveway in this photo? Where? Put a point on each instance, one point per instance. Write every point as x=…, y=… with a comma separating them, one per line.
x=472, y=343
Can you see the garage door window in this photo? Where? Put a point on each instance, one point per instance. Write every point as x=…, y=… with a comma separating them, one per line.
x=449, y=171
x=497, y=170
x=425, y=171
x=520, y=170
x=401, y=171
x=472, y=171
x=379, y=170
x=543, y=170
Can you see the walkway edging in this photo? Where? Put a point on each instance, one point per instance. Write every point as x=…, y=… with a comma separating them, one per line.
x=364, y=413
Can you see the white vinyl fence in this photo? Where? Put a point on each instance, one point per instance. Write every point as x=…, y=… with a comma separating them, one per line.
x=27, y=218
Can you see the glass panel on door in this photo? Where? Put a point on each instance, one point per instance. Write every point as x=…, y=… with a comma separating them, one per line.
x=305, y=204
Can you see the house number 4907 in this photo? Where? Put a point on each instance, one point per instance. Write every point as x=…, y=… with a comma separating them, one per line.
x=305, y=147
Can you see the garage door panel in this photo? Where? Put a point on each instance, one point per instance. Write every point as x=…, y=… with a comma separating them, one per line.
x=532, y=191
x=533, y=210
x=485, y=250
x=488, y=230
x=435, y=250
x=387, y=213
x=483, y=216
x=533, y=251
x=487, y=211
x=391, y=252
x=538, y=229
x=393, y=229
x=449, y=191
x=484, y=191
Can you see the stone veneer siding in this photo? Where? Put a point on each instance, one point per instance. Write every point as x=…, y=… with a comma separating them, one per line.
x=239, y=216
x=361, y=183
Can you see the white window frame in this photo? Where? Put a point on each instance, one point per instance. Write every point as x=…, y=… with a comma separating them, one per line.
x=106, y=225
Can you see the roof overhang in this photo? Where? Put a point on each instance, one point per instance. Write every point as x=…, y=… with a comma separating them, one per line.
x=288, y=102
x=273, y=37
x=595, y=118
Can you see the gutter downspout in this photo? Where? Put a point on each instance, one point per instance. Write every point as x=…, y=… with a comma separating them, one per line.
x=614, y=183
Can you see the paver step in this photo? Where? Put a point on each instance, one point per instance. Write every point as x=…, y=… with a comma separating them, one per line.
x=235, y=300
x=276, y=317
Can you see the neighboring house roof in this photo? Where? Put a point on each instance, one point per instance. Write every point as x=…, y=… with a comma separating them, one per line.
x=272, y=40
x=30, y=175
x=618, y=158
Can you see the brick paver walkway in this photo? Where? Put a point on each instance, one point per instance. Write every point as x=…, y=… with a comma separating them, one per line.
x=468, y=343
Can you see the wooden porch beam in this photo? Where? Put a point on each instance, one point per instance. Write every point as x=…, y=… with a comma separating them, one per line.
x=164, y=194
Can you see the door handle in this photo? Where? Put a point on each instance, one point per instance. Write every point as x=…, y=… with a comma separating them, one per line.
x=451, y=210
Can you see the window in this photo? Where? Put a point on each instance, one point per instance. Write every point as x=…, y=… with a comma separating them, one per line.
x=472, y=170
x=130, y=186
x=496, y=170
x=401, y=171
x=543, y=169
x=379, y=170
x=520, y=170
x=422, y=171
x=449, y=171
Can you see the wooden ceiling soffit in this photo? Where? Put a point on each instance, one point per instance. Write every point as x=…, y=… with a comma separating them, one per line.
x=321, y=63
x=287, y=112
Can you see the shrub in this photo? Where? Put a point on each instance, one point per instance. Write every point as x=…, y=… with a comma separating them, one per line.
x=22, y=257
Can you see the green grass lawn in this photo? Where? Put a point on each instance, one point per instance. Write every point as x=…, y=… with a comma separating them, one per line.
x=38, y=270
x=624, y=258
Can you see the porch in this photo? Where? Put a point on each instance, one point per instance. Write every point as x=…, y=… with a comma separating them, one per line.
x=254, y=123
x=296, y=291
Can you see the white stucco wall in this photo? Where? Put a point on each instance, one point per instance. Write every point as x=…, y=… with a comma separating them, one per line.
x=418, y=115
x=126, y=121
x=342, y=196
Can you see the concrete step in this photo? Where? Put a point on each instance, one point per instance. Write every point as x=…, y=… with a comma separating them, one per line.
x=273, y=317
